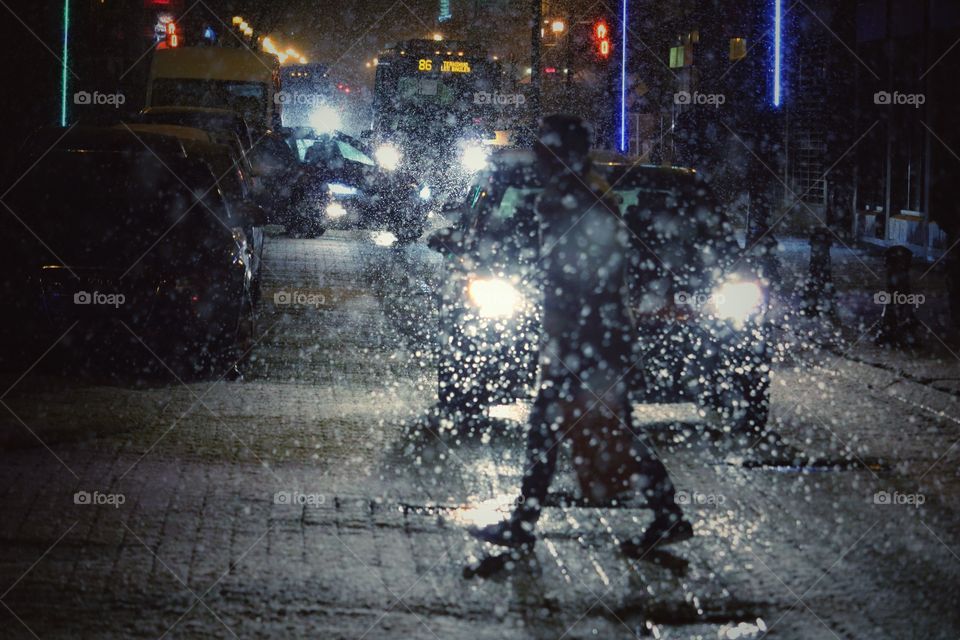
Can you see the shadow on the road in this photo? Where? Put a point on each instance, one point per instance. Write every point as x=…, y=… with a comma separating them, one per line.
x=673, y=563
x=505, y=565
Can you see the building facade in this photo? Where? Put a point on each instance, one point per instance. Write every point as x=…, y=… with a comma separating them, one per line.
x=908, y=167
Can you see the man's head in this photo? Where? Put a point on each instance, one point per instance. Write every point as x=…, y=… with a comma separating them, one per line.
x=563, y=145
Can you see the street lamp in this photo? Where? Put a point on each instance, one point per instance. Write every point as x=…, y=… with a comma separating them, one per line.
x=558, y=26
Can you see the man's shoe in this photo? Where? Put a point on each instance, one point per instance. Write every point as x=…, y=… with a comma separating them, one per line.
x=507, y=533
x=665, y=529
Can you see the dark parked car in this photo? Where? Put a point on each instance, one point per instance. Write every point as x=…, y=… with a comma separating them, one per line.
x=114, y=227
x=230, y=175
x=700, y=316
x=268, y=162
x=342, y=185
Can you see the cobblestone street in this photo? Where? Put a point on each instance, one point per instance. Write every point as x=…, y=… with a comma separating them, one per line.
x=317, y=497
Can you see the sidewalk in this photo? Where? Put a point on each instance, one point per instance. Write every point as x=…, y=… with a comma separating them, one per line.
x=859, y=275
x=310, y=501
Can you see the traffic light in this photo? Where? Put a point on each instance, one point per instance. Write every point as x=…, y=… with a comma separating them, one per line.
x=173, y=40
x=601, y=34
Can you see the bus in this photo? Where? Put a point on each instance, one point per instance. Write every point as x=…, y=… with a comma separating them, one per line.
x=433, y=111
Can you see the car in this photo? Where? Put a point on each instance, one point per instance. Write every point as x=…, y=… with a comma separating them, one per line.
x=342, y=185
x=115, y=228
x=268, y=161
x=232, y=176
x=227, y=126
x=699, y=311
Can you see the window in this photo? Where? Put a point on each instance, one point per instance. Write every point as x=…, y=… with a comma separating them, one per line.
x=738, y=48
x=353, y=154
x=677, y=56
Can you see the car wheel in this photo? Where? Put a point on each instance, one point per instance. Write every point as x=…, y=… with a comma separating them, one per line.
x=742, y=399
x=221, y=346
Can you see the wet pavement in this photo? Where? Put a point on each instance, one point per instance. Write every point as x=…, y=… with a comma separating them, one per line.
x=319, y=497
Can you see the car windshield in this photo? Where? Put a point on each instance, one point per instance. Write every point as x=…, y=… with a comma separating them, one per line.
x=331, y=151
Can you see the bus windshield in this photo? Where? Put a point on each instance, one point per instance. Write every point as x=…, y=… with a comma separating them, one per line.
x=413, y=93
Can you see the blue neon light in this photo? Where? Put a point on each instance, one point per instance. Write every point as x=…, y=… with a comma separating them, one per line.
x=64, y=65
x=623, y=79
x=777, y=50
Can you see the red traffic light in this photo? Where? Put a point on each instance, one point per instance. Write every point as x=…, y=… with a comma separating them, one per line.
x=173, y=39
x=601, y=34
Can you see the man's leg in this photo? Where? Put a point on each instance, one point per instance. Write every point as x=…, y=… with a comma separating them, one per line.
x=542, y=448
x=546, y=429
x=653, y=482
x=652, y=479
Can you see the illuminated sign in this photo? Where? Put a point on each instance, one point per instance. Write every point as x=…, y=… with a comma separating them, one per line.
x=455, y=66
x=601, y=34
x=446, y=66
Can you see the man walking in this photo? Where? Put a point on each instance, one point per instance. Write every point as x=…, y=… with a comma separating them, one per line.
x=585, y=359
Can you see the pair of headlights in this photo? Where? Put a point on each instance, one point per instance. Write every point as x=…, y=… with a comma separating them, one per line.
x=473, y=157
x=735, y=299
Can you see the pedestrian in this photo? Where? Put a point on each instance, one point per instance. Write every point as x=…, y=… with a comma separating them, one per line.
x=585, y=354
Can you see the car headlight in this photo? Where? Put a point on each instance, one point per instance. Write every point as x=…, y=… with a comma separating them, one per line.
x=338, y=189
x=474, y=157
x=335, y=211
x=388, y=156
x=325, y=119
x=737, y=300
x=494, y=297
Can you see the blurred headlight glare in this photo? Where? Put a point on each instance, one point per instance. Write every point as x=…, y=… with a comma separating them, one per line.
x=335, y=211
x=474, y=157
x=388, y=156
x=339, y=189
x=494, y=297
x=325, y=119
x=737, y=300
